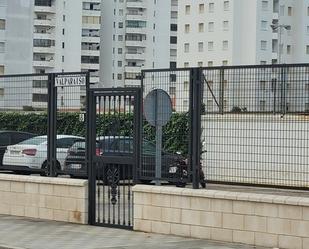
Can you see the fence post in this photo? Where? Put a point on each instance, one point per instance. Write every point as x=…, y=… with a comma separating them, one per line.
x=52, y=126
x=90, y=148
x=195, y=124
x=221, y=91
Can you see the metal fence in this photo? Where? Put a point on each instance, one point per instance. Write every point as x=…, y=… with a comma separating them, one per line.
x=252, y=122
x=41, y=117
x=255, y=125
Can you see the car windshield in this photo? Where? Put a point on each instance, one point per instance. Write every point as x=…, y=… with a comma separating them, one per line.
x=34, y=141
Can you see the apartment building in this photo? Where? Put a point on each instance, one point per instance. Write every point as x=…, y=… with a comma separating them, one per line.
x=137, y=34
x=242, y=32
x=43, y=36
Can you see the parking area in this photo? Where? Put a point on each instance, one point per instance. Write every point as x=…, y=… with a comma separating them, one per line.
x=38, y=234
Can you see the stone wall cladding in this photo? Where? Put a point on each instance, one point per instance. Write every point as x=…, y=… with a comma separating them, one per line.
x=58, y=199
x=263, y=220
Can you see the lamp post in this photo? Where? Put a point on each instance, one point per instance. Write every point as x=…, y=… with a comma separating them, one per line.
x=279, y=28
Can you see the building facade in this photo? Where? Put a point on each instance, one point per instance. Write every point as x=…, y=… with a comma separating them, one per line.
x=44, y=36
x=238, y=32
x=137, y=34
x=241, y=32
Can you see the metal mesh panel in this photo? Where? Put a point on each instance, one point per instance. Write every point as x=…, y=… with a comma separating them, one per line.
x=175, y=138
x=23, y=115
x=255, y=125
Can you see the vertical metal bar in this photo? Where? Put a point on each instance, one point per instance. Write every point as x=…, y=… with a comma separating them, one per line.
x=52, y=125
x=221, y=91
x=195, y=110
x=137, y=134
x=91, y=108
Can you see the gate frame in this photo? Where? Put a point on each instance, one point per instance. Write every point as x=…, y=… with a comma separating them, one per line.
x=52, y=117
x=91, y=138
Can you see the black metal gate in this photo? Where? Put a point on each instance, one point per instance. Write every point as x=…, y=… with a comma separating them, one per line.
x=114, y=121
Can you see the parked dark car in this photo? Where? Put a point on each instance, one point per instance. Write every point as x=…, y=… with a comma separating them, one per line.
x=121, y=148
x=11, y=137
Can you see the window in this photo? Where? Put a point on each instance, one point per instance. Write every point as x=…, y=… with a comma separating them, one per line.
x=186, y=64
x=307, y=49
x=62, y=58
x=119, y=76
x=282, y=10
x=2, y=47
x=63, y=18
x=288, y=49
x=307, y=30
x=200, y=64
x=225, y=45
x=262, y=85
x=119, y=63
x=173, y=27
x=225, y=25
x=263, y=62
x=224, y=63
x=210, y=63
x=120, y=38
x=263, y=45
x=2, y=24
x=200, y=46
x=201, y=8
x=187, y=28
x=1, y=91
x=38, y=97
x=1, y=70
x=263, y=25
x=265, y=5
x=262, y=105
x=173, y=39
x=120, y=25
x=226, y=5
x=186, y=47
x=188, y=7
x=211, y=7
x=62, y=44
x=210, y=45
x=209, y=105
x=120, y=12
x=211, y=26
x=201, y=27
x=92, y=20
x=119, y=50
x=289, y=11
x=308, y=11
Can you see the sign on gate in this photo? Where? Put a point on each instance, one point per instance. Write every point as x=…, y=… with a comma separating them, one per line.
x=70, y=80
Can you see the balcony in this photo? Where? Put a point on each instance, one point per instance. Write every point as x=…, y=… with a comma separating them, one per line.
x=136, y=56
x=130, y=69
x=139, y=4
x=91, y=39
x=90, y=66
x=44, y=22
x=136, y=16
x=45, y=9
x=141, y=44
x=42, y=63
x=135, y=30
x=86, y=52
x=48, y=36
x=132, y=82
x=44, y=50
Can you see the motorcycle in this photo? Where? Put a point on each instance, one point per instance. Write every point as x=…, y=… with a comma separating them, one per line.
x=180, y=171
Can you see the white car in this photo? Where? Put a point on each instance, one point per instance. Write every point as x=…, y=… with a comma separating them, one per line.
x=32, y=153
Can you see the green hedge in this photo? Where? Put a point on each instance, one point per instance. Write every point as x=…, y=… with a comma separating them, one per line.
x=175, y=133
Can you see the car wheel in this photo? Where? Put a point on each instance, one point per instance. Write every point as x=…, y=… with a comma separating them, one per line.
x=46, y=170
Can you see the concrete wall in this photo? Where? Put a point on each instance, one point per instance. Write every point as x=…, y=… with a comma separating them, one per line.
x=249, y=218
x=57, y=199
